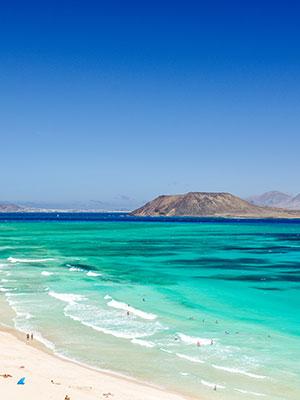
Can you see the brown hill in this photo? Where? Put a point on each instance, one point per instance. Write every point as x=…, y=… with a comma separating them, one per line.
x=199, y=204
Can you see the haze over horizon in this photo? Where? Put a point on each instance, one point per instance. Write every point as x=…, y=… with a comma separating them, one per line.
x=119, y=103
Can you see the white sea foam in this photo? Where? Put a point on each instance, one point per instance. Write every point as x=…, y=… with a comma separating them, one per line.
x=73, y=269
x=166, y=351
x=4, y=280
x=193, y=359
x=238, y=371
x=110, y=321
x=67, y=297
x=184, y=373
x=145, y=343
x=90, y=273
x=22, y=314
x=2, y=289
x=28, y=260
x=126, y=307
x=194, y=340
x=247, y=392
x=212, y=384
x=107, y=297
x=119, y=334
x=46, y=273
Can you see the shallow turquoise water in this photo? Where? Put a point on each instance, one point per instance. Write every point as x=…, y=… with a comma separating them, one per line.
x=73, y=284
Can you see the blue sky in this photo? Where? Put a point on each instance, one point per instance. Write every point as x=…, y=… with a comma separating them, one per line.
x=121, y=101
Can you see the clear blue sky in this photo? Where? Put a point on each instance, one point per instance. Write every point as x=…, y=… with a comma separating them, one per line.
x=121, y=101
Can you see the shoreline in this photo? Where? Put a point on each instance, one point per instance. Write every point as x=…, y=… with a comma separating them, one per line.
x=75, y=379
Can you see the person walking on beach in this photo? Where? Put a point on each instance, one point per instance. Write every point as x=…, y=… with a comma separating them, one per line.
x=27, y=336
x=31, y=336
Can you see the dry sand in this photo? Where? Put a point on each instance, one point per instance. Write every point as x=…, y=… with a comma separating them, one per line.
x=76, y=381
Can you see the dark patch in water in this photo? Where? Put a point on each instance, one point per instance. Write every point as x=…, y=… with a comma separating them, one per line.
x=270, y=288
x=82, y=266
x=254, y=278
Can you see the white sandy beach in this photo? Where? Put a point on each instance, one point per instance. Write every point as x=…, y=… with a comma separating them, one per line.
x=76, y=381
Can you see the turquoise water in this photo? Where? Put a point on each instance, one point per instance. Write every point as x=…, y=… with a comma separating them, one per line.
x=73, y=283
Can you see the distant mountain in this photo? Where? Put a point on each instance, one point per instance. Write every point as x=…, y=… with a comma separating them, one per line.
x=11, y=208
x=294, y=203
x=276, y=199
x=209, y=205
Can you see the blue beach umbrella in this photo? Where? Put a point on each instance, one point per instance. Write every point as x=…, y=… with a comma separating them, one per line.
x=21, y=381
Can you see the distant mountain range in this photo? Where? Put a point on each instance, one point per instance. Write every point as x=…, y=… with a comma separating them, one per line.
x=276, y=199
x=12, y=208
x=201, y=204
x=272, y=204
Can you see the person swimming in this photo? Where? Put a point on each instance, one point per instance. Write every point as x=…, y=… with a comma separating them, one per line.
x=211, y=342
x=198, y=344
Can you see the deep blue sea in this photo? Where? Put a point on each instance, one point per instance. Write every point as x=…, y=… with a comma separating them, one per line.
x=185, y=303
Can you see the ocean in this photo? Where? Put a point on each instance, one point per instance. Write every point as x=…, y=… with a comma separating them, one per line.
x=184, y=303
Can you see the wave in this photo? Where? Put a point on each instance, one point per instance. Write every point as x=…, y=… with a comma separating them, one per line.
x=145, y=343
x=194, y=340
x=110, y=321
x=2, y=289
x=193, y=359
x=247, y=392
x=46, y=273
x=73, y=269
x=184, y=373
x=126, y=307
x=212, y=384
x=166, y=351
x=118, y=334
x=239, y=371
x=28, y=260
x=67, y=297
x=90, y=273
x=22, y=314
x=4, y=280
x=107, y=297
